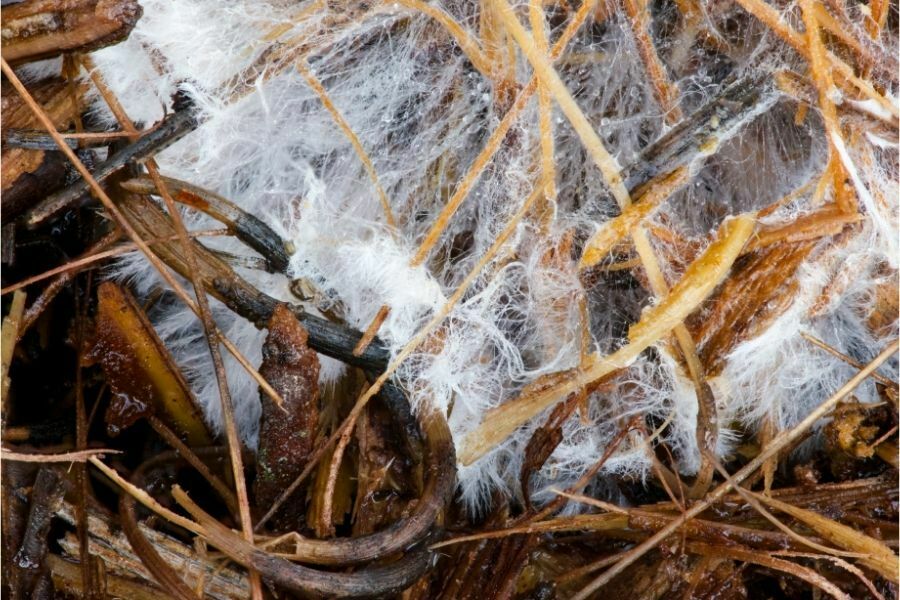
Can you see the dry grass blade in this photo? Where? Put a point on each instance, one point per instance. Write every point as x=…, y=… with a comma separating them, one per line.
x=213, y=338
x=778, y=443
x=545, y=106
x=467, y=182
x=575, y=523
x=347, y=130
x=145, y=498
x=549, y=77
x=874, y=553
x=79, y=456
x=493, y=143
x=752, y=499
x=799, y=571
x=466, y=42
x=846, y=77
x=844, y=565
x=80, y=264
x=615, y=230
x=665, y=91
x=822, y=77
x=853, y=363
x=699, y=280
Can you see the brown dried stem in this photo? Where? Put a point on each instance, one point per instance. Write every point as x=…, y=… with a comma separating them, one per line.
x=782, y=440
x=210, y=329
x=70, y=457
x=348, y=132
x=46, y=28
x=666, y=93
x=369, y=581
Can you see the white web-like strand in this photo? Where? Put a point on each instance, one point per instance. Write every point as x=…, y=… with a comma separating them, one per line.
x=423, y=113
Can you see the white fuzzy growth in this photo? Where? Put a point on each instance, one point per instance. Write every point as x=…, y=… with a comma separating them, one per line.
x=781, y=376
x=423, y=114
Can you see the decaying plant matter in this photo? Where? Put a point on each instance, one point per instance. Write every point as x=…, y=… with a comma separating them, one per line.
x=450, y=299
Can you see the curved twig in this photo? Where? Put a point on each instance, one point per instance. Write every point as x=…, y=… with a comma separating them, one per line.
x=440, y=481
x=366, y=582
x=336, y=341
x=164, y=573
x=248, y=228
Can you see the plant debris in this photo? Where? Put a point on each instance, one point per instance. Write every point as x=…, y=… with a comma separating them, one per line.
x=450, y=299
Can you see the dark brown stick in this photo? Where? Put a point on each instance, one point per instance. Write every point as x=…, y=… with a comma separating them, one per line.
x=366, y=582
x=173, y=128
x=248, y=228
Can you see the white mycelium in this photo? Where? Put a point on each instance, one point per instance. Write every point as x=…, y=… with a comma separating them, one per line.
x=423, y=112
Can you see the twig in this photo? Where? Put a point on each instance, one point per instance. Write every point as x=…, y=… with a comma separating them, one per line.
x=248, y=228
x=246, y=300
x=29, y=139
x=173, y=127
x=79, y=456
x=10, y=335
x=850, y=361
x=209, y=326
x=46, y=496
x=779, y=442
x=366, y=582
x=703, y=130
x=348, y=132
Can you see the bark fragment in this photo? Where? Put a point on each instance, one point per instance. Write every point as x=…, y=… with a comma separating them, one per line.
x=286, y=433
x=29, y=175
x=47, y=28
